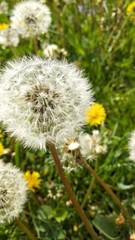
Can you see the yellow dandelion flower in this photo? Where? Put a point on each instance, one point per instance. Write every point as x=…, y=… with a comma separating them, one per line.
x=95, y=114
x=3, y=26
x=1, y=149
x=33, y=180
x=131, y=10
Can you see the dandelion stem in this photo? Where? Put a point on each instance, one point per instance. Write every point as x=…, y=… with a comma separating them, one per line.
x=91, y=186
x=70, y=192
x=110, y=192
x=17, y=153
x=35, y=43
x=25, y=229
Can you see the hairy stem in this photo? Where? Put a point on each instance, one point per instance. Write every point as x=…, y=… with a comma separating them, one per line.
x=25, y=229
x=110, y=192
x=91, y=186
x=70, y=192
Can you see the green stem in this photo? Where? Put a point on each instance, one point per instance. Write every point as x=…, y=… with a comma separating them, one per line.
x=70, y=192
x=17, y=154
x=110, y=192
x=117, y=37
x=35, y=43
x=14, y=51
x=25, y=229
x=91, y=186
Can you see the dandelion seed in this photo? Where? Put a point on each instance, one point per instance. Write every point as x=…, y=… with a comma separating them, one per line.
x=9, y=37
x=3, y=7
x=53, y=50
x=132, y=146
x=81, y=145
x=31, y=18
x=43, y=100
x=95, y=115
x=73, y=146
x=91, y=145
x=70, y=154
x=13, y=192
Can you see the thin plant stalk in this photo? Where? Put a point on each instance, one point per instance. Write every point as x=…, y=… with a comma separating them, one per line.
x=71, y=193
x=17, y=154
x=35, y=44
x=90, y=188
x=110, y=192
x=25, y=229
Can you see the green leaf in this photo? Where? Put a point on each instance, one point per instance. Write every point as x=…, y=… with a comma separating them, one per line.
x=45, y=212
x=106, y=225
x=60, y=214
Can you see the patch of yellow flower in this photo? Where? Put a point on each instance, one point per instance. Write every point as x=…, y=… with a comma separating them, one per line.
x=131, y=10
x=33, y=180
x=3, y=26
x=1, y=149
x=95, y=114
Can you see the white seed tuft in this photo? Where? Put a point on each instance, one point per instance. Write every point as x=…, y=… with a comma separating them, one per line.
x=13, y=191
x=30, y=18
x=9, y=37
x=132, y=146
x=43, y=100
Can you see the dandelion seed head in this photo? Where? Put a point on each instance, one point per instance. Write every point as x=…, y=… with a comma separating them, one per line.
x=13, y=191
x=9, y=37
x=52, y=50
x=71, y=161
x=31, y=18
x=91, y=145
x=70, y=154
x=43, y=100
x=73, y=146
x=3, y=7
x=132, y=146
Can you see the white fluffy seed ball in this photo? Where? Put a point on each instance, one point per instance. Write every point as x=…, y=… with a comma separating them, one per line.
x=132, y=146
x=30, y=18
x=43, y=100
x=13, y=191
